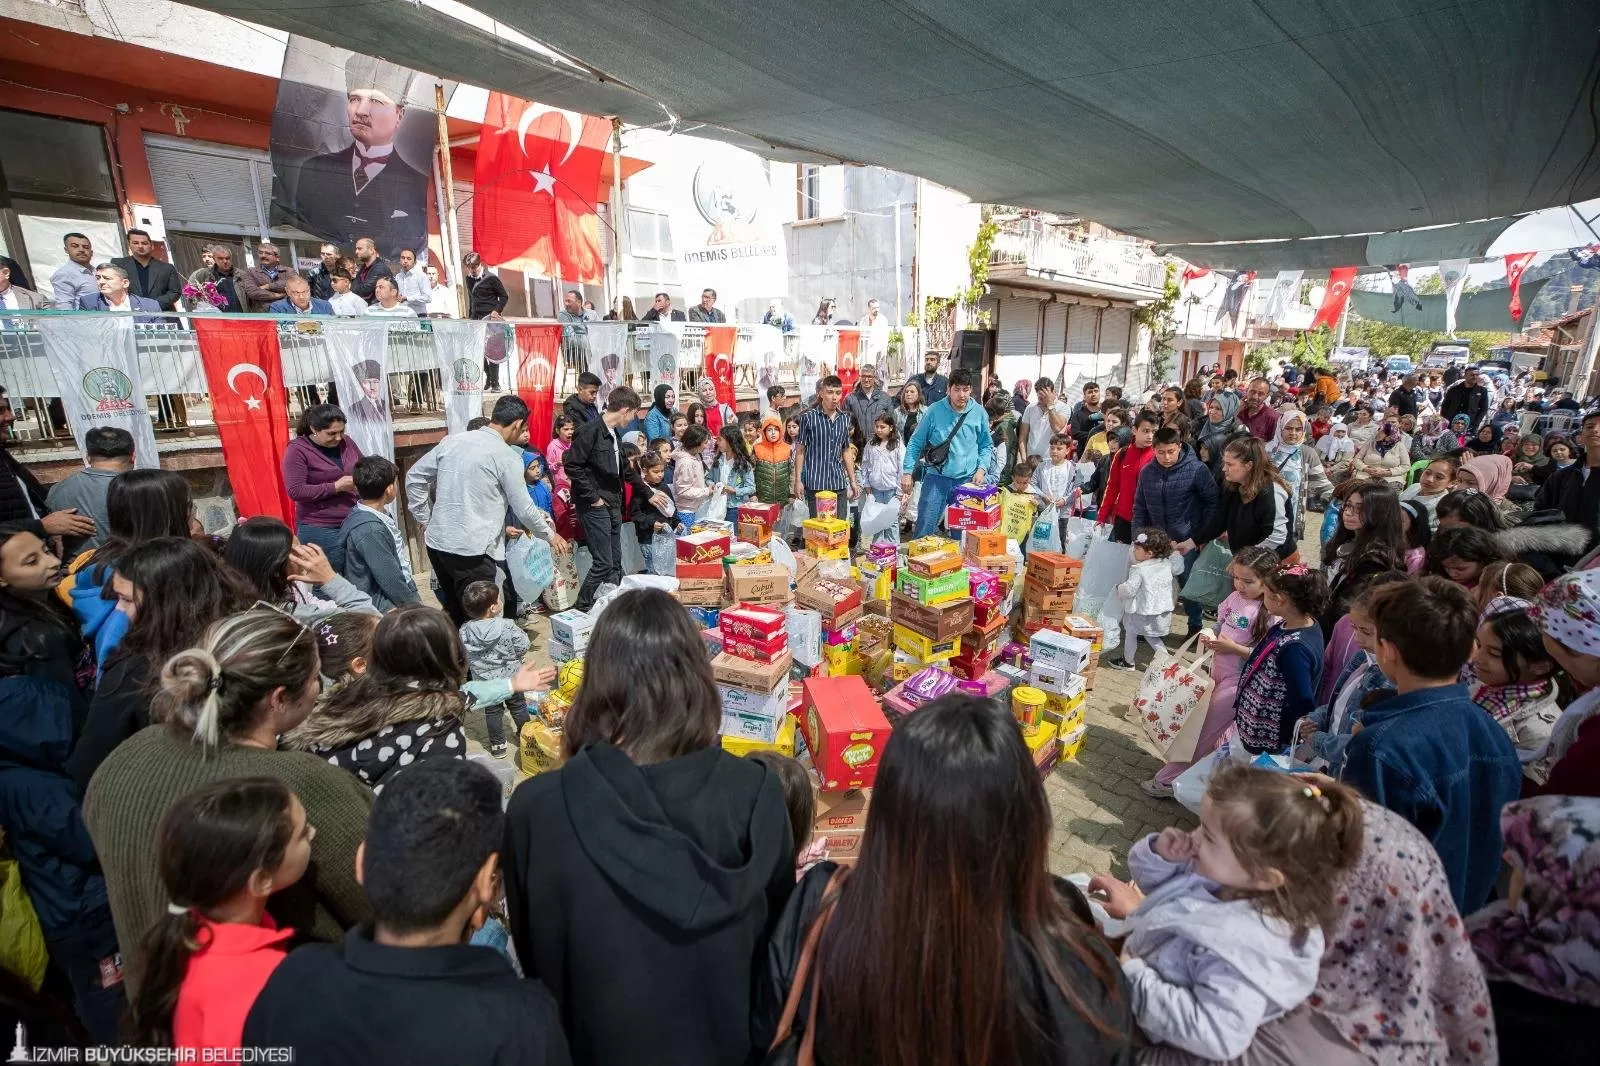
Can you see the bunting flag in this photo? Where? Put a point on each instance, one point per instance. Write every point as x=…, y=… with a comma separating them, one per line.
x=849, y=357
x=718, y=365
x=538, y=347
x=244, y=374
x=358, y=358
x=1337, y=295
x=95, y=362
x=1453, y=275
x=458, y=351
x=1515, y=266
x=537, y=182
x=1194, y=273
x=1285, y=294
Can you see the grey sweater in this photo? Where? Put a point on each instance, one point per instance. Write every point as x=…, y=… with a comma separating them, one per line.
x=495, y=647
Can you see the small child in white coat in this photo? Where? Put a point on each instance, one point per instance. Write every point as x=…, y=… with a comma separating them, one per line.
x=1225, y=922
x=1146, y=596
x=1056, y=482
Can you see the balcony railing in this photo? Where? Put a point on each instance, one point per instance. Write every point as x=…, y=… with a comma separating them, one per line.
x=1047, y=250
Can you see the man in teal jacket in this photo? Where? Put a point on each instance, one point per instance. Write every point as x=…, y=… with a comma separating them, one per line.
x=958, y=421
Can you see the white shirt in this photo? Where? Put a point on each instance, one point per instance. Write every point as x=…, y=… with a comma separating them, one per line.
x=461, y=489
x=413, y=285
x=347, y=303
x=441, y=301
x=378, y=153
x=1039, y=428
x=399, y=310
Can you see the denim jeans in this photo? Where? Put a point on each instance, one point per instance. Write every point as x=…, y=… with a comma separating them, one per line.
x=326, y=538
x=1192, y=611
x=936, y=490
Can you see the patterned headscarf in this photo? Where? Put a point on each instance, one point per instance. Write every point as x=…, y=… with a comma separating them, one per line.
x=1399, y=980
x=1388, y=436
x=1549, y=940
x=1569, y=611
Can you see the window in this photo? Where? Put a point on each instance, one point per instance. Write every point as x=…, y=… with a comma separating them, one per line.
x=55, y=178
x=654, y=266
x=808, y=190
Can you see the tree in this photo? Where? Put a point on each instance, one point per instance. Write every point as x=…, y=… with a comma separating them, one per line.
x=1159, y=318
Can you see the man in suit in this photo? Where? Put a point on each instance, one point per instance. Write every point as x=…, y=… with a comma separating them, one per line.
x=299, y=300
x=149, y=278
x=115, y=295
x=367, y=188
x=707, y=310
x=661, y=310
x=262, y=285
x=19, y=276
x=17, y=298
x=372, y=405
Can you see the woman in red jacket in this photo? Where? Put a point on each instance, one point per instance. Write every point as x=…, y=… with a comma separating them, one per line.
x=1116, y=506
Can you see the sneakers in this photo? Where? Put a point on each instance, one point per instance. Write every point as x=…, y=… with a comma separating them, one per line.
x=1155, y=789
x=499, y=752
x=1117, y=664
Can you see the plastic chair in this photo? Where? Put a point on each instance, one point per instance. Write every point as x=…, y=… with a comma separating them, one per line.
x=1416, y=468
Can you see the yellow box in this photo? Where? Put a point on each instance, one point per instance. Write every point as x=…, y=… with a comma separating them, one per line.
x=1072, y=741
x=538, y=747
x=842, y=661
x=925, y=649
x=1043, y=736
x=841, y=552
x=784, y=745
x=825, y=532
x=1064, y=706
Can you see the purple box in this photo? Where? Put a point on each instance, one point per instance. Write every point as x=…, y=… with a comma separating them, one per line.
x=926, y=685
x=974, y=496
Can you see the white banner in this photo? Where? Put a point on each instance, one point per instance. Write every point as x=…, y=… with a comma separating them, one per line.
x=726, y=228
x=358, y=358
x=665, y=340
x=817, y=350
x=608, y=356
x=1453, y=272
x=1285, y=294
x=96, y=367
x=458, y=350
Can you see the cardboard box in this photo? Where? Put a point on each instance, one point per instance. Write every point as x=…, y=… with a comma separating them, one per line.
x=766, y=514
x=561, y=653
x=983, y=544
x=753, y=621
x=1048, y=757
x=1079, y=626
x=984, y=586
x=1051, y=647
x=783, y=744
x=848, y=618
x=842, y=823
x=831, y=599
x=836, y=638
x=1048, y=678
x=704, y=547
x=988, y=617
x=1072, y=742
x=824, y=554
x=753, y=715
x=1036, y=617
x=925, y=649
x=1041, y=736
x=1047, y=599
x=972, y=517
x=1054, y=570
x=760, y=583
x=931, y=543
x=947, y=619
x=841, y=660
x=874, y=635
x=705, y=617
x=754, y=533
x=826, y=532
x=935, y=563
x=707, y=571
x=1004, y=566
x=877, y=582
x=805, y=568
x=845, y=731
x=971, y=664
x=932, y=591
x=754, y=650
x=978, y=496
x=572, y=628
x=709, y=597
x=748, y=674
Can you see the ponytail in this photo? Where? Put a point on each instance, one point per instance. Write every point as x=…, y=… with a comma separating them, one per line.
x=216, y=691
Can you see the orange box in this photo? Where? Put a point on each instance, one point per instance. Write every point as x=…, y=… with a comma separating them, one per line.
x=935, y=563
x=1053, y=570
x=985, y=542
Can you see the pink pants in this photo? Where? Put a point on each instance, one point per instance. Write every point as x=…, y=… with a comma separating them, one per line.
x=1219, y=716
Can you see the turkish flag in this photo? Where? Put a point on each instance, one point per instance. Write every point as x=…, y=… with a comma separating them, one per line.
x=717, y=366
x=1194, y=273
x=849, y=353
x=536, y=183
x=244, y=373
x=1337, y=295
x=1515, y=265
x=538, y=348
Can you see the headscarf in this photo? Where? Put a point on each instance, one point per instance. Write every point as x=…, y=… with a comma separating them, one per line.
x=712, y=407
x=1388, y=436
x=1568, y=612
x=1210, y=436
x=660, y=402
x=1538, y=459
x=771, y=453
x=1549, y=940
x=1432, y=428
x=1492, y=473
x=1477, y=443
x=1286, y=457
x=1465, y=424
x=1336, y=444
x=1399, y=980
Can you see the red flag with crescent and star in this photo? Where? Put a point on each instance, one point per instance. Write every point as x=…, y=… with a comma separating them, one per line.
x=538, y=352
x=1337, y=295
x=244, y=373
x=537, y=181
x=718, y=365
x=1515, y=266
x=849, y=357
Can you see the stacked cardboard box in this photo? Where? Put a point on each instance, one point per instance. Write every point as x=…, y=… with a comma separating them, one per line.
x=842, y=822
x=699, y=567
x=1086, y=629
x=752, y=672
x=756, y=522
x=844, y=729
x=973, y=507
x=838, y=604
x=569, y=635
x=1050, y=584
x=826, y=538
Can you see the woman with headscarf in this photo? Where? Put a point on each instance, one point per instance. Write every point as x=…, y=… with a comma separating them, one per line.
x=1219, y=427
x=1528, y=459
x=1485, y=441
x=1489, y=474
x=1337, y=451
x=1384, y=457
x=1540, y=946
x=1019, y=396
x=663, y=405
x=1459, y=431
x=717, y=414
x=1429, y=439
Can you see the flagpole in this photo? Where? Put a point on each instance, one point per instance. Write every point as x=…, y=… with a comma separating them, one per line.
x=448, y=230
x=616, y=211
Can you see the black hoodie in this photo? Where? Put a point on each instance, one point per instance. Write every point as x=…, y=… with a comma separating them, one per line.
x=643, y=896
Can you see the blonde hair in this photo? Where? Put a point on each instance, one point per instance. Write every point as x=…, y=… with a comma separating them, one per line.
x=214, y=692
x=1307, y=832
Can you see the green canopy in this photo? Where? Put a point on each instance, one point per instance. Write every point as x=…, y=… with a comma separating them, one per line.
x=1488, y=310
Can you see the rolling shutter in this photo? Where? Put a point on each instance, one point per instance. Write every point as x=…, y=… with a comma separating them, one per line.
x=209, y=187
x=1115, y=324
x=1017, y=342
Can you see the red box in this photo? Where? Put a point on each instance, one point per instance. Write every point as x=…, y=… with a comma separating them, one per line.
x=845, y=731
x=755, y=650
x=766, y=514
x=704, y=547
x=711, y=571
x=972, y=666
x=972, y=518
x=987, y=616
x=752, y=622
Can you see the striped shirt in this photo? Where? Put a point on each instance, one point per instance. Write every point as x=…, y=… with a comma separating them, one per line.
x=824, y=440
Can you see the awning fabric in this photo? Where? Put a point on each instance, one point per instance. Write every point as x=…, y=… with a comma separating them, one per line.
x=1222, y=120
x=1468, y=240
x=1487, y=310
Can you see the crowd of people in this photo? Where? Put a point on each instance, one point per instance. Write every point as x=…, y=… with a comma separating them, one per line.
x=234, y=772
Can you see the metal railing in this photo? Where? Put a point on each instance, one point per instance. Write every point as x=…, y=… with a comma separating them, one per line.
x=1092, y=258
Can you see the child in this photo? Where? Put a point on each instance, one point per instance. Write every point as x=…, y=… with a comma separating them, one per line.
x=1228, y=934
x=800, y=797
x=1322, y=736
x=1461, y=552
x=403, y=988
x=880, y=472
x=344, y=647
x=689, y=486
x=1241, y=622
x=1055, y=483
x=561, y=434
x=771, y=454
x=1568, y=614
x=1418, y=534
x=1431, y=485
x=375, y=556
x=680, y=425
x=750, y=430
x=1428, y=753
x=343, y=301
x=648, y=521
x=1338, y=451
x=540, y=491
x=735, y=472
x=1513, y=680
x=1278, y=685
x=1098, y=445
x=224, y=848
x=1518, y=580
x=495, y=648
x=1146, y=596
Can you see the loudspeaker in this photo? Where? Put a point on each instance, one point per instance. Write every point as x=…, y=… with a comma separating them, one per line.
x=971, y=352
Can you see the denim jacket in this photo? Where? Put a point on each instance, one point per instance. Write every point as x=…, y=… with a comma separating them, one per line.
x=1325, y=747
x=1437, y=760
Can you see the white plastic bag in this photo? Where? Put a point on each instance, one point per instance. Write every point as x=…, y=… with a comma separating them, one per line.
x=715, y=509
x=877, y=517
x=1046, y=536
x=1105, y=566
x=782, y=555
x=1190, y=786
x=664, y=555
x=532, y=569
x=1080, y=531
x=794, y=515
x=1110, y=622
x=632, y=557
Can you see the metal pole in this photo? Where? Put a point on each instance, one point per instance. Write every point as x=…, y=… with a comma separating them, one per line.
x=617, y=211
x=449, y=230
x=899, y=309
x=1344, y=319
